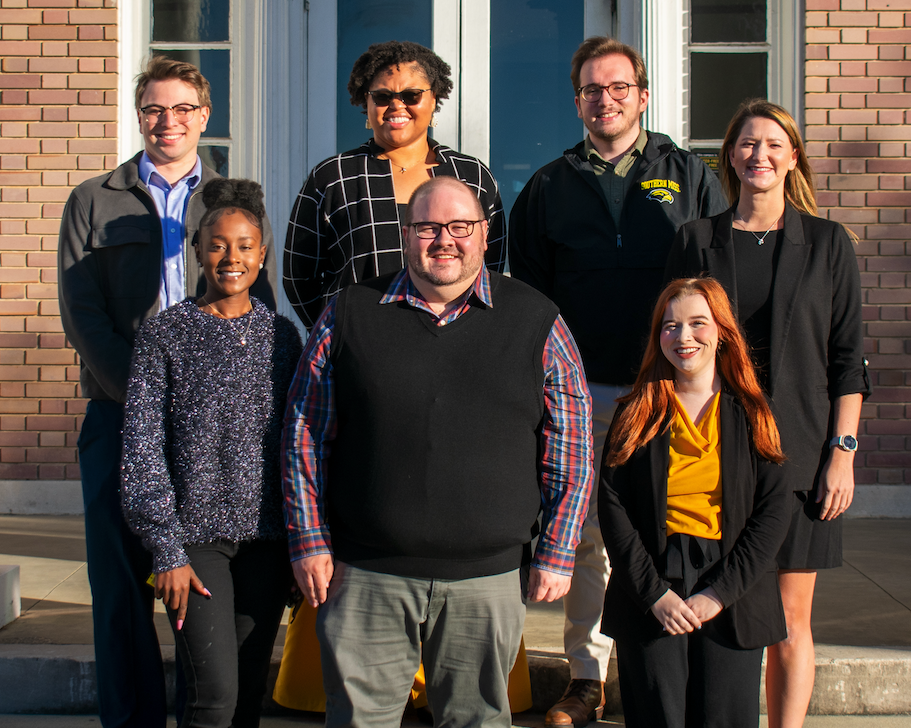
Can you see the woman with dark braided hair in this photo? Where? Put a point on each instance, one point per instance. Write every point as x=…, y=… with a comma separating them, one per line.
x=201, y=476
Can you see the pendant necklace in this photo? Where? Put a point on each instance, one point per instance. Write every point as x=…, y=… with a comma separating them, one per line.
x=760, y=239
x=243, y=338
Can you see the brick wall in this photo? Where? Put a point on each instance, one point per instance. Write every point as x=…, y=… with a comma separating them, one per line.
x=859, y=136
x=58, y=111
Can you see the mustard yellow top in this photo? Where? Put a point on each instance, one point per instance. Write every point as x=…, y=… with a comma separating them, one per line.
x=694, y=474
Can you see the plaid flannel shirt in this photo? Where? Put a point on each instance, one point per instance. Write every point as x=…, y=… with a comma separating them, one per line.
x=565, y=469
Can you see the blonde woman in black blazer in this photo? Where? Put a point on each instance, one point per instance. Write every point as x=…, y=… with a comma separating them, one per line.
x=690, y=612
x=794, y=282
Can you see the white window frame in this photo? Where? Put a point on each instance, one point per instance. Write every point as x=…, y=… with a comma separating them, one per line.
x=659, y=29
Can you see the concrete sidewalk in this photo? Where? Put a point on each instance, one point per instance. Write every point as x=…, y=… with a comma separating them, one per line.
x=862, y=624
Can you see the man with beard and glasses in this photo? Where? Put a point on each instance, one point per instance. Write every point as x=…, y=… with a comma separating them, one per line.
x=592, y=230
x=436, y=412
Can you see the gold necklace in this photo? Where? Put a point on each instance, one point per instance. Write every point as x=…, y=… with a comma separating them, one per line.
x=404, y=169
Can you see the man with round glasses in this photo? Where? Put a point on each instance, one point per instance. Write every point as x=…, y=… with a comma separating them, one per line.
x=125, y=254
x=592, y=230
x=435, y=412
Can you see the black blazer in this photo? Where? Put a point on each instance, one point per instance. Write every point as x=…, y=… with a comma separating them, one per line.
x=755, y=515
x=816, y=346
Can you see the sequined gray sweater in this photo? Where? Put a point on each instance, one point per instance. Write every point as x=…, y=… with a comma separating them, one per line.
x=202, y=429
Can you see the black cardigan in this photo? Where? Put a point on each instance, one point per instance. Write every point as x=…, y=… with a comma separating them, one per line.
x=816, y=344
x=755, y=515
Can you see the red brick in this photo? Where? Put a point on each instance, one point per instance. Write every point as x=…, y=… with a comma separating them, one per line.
x=19, y=146
x=53, y=96
x=891, y=116
x=51, y=455
x=889, y=232
x=891, y=20
x=817, y=52
x=92, y=146
x=18, y=341
x=890, y=263
x=891, y=215
x=20, y=17
x=91, y=65
x=54, y=48
x=891, y=53
x=852, y=19
x=77, y=178
x=53, y=146
x=15, y=96
x=56, y=17
x=817, y=20
x=822, y=68
x=852, y=116
x=18, y=439
x=88, y=161
x=46, y=194
x=893, y=133
x=853, y=68
x=852, y=101
x=853, y=84
x=854, y=35
x=889, y=101
x=92, y=113
x=20, y=48
x=53, y=80
x=10, y=471
x=12, y=455
x=852, y=52
x=52, y=162
x=93, y=48
x=94, y=17
x=111, y=65
x=54, y=113
x=853, y=149
x=52, y=32
x=49, y=275
x=91, y=32
x=93, y=80
x=20, y=80
x=823, y=5
x=52, y=341
x=823, y=35
x=15, y=65
x=91, y=129
x=54, y=179
x=889, y=68
x=19, y=114
x=888, y=5
x=18, y=373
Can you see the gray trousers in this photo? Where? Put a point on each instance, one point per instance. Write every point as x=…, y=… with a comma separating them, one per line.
x=372, y=630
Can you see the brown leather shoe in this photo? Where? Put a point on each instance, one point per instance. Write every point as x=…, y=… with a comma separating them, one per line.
x=582, y=702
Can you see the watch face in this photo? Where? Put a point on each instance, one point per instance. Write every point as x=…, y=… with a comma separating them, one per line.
x=849, y=442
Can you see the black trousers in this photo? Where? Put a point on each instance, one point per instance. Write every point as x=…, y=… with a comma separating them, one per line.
x=226, y=642
x=131, y=687
x=695, y=680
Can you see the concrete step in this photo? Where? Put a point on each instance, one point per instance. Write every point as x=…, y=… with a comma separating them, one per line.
x=57, y=679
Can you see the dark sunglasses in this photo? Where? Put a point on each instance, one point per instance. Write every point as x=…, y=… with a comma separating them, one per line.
x=409, y=97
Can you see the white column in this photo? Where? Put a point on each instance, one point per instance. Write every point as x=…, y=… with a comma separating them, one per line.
x=474, y=108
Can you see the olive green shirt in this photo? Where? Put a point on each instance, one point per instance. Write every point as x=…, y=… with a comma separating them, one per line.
x=616, y=179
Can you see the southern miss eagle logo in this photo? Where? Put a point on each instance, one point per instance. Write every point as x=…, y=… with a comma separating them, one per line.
x=661, y=196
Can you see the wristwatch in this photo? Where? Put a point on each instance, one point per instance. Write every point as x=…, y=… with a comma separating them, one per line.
x=848, y=443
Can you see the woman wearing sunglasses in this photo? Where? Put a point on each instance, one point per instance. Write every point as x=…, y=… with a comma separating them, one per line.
x=346, y=225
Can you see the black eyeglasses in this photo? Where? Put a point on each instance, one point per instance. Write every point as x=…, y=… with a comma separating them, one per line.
x=182, y=112
x=409, y=97
x=456, y=228
x=617, y=91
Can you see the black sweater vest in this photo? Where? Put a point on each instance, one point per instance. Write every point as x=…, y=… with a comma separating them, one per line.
x=434, y=469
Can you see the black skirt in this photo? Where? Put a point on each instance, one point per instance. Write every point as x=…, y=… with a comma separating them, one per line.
x=810, y=543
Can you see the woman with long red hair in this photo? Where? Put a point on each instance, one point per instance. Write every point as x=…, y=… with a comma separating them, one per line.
x=693, y=511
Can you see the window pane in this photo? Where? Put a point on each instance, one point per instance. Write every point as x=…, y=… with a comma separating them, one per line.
x=215, y=65
x=190, y=21
x=215, y=157
x=361, y=23
x=719, y=83
x=532, y=116
x=728, y=21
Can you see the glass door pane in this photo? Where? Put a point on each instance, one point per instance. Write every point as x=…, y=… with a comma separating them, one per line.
x=361, y=23
x=532, y=116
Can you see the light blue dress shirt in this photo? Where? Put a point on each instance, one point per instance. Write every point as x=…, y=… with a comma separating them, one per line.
x=171, y=203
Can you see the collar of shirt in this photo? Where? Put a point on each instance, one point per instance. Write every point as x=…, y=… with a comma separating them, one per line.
x=402, y=289
x=150, y=176
x=623, y=167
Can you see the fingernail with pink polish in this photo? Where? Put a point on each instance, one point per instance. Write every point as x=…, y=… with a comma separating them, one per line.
x=179, y=625
x=207, y=592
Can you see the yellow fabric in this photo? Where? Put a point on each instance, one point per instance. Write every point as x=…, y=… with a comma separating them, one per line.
x=300, y=678
x=694, y=474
